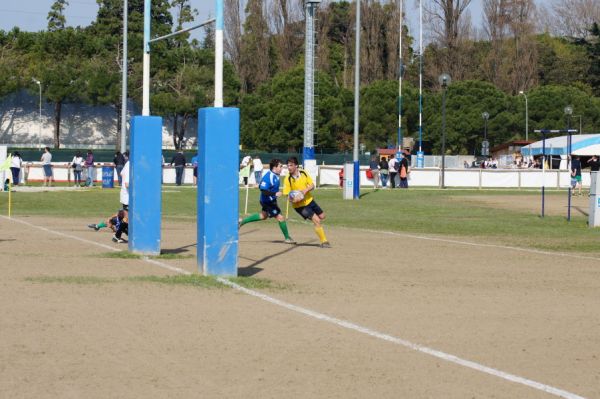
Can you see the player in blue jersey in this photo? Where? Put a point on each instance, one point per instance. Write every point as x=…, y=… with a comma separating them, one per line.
x=269, y=191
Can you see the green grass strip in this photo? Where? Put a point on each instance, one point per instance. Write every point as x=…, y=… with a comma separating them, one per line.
x=84, y=280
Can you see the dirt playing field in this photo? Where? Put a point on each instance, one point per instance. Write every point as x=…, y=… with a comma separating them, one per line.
x=94, y=334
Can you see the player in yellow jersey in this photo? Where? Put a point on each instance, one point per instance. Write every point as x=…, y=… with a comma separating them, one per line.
x=306, y=206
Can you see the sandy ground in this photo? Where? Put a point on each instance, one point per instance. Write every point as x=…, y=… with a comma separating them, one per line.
x=554, y=204
x=530, y=314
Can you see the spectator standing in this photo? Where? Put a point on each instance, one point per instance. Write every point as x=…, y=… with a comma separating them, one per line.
x=393, y=167
x=258, y=169
x=119, y=161
x=384, y=171
x=124, y=194
x=594, y=164
x=576, y=174
x=89, y=165
x=15, y=167
x=77, y=165
x=179, y=162
x=404, y=171
x=47, y=165
x=374, y=166
x=195, y=166
x=243, y=165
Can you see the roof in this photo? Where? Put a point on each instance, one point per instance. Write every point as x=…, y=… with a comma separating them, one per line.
x=581, y=144
x=517, y=143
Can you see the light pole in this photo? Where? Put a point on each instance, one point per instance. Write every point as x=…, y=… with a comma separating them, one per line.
x=444, y=80
x=580, y=126
x=568, y=112
x=400, y=76
x=37, y=82
x=485, y=146
x=526, y=116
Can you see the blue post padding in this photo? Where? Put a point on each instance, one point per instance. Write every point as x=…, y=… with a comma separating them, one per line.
x=145, y=169
x=218, y=193
x=308, y=153
x=356, y=179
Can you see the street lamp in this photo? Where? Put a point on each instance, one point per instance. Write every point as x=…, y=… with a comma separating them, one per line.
x=37, y=82
x=526, y=116
x=485, y=144
x=444, y=80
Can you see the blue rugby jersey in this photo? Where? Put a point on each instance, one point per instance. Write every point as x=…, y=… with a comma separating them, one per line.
x=270, y=183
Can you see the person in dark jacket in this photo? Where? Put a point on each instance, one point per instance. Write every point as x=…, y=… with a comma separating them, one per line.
x=179, y=162
x=119, y=161
x=384, y=171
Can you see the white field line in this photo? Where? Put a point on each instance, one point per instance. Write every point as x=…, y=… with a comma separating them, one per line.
x=475, y=244
x=459, y=242
x=398, y=341
x=110, y=248
x=349, y=325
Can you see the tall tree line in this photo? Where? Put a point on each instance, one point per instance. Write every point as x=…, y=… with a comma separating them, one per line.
x=264, y=45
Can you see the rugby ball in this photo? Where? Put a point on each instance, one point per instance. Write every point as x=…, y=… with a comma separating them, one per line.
x=296, y=196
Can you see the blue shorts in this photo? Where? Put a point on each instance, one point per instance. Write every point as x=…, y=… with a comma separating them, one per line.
x=309, y=210
x=271, y=209
x=48, y=170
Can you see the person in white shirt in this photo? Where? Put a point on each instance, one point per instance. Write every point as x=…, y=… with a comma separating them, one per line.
x=47, y=165
x=15, y=167
x=258, y=169
x=124, y=194
x=245, y=162
x=77, y=164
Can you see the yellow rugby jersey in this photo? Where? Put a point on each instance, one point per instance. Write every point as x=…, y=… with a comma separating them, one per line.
x=300, y=183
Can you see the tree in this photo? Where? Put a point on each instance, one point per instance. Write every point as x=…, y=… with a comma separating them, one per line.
x=450, y=26
x=57, y=61
x=592, y=45
x=560, y=61
x=511, y=63
x=56, y=17
x=272, y=117
x=547, y=103
x=574, y=18
x=255, y=49
x=465, y=103
x=286, y=17
x=232, y=41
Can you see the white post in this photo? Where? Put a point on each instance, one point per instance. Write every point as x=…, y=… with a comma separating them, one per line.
x=219, y=55
x=124, y=82
x=146, y=61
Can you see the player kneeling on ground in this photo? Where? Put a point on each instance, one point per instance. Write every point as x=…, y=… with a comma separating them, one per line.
x=269, y=191
x=118, y=223
x=303, y=202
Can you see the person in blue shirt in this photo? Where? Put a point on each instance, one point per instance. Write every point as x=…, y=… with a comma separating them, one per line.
x=269, y=191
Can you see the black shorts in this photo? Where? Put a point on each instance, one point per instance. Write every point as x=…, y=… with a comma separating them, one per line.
x=309, y=210
x=271, y=209
x=195, y=172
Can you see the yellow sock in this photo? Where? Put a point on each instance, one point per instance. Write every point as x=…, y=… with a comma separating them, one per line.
x=321, y=233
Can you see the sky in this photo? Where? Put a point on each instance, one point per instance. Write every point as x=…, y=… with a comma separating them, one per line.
x=30, y=15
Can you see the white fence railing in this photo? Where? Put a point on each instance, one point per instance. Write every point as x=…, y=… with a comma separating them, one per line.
x=479, y=178
x=329, y=175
